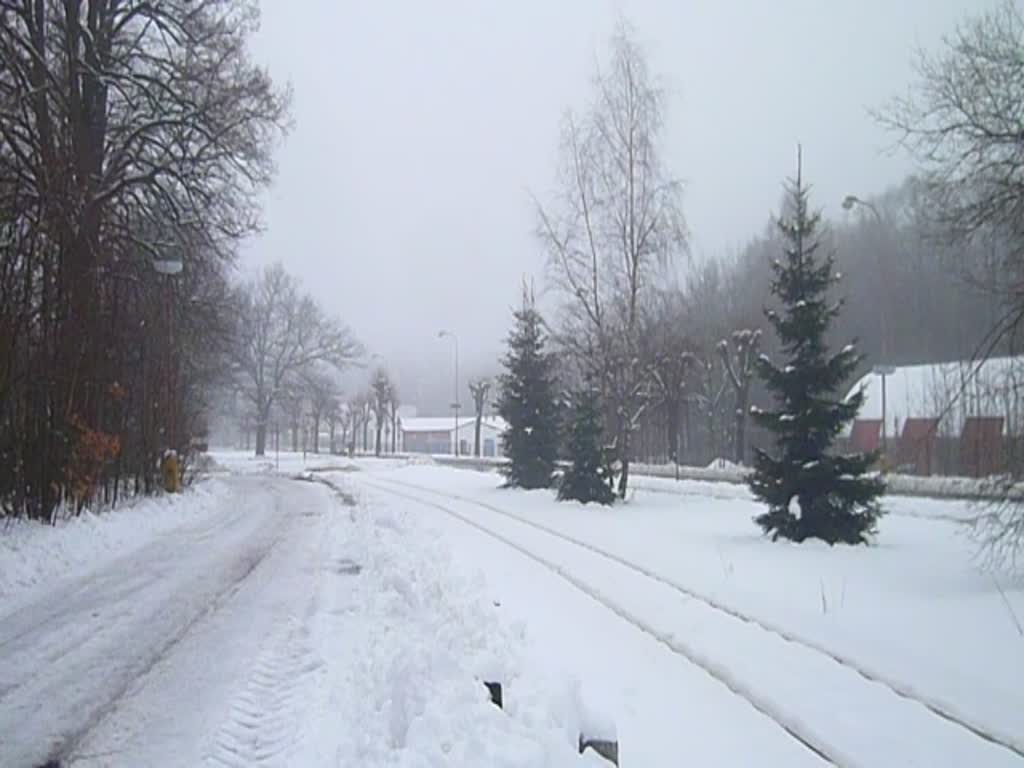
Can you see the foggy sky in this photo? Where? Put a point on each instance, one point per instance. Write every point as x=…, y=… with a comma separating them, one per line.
x=403, y=196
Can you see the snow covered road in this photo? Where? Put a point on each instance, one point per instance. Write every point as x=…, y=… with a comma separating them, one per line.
x=289, y=627
x=70, y=657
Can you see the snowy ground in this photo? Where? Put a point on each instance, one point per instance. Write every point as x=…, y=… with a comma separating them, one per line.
x=899, y=654
x=282, y=626
x=348, y=619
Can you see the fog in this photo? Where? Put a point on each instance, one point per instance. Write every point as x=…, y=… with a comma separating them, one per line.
x=403, y=200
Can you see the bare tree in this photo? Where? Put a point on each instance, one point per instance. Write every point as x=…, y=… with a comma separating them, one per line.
x=363, y=403
x=393, y=403
x=739, y=362
x=670, y=356
x=281, y=334
x=712, y=388
x=321, y=390
x=129, y=131
x=616, y=221
x=358, y=413
x=479, y=389
x=334, y=418
x=962, y=121
x=381, y=396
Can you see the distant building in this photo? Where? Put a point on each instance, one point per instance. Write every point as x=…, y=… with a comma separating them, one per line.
x=951, y=418
x=436, y=435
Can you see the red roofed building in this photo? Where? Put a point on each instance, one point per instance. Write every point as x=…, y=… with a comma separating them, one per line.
x=866, y=435
x=917, y=448
x=981, y=446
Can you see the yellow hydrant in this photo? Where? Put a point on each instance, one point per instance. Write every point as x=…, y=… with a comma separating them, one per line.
x=171, y=471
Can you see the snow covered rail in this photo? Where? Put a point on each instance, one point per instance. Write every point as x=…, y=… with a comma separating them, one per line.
x=762, y=704
x=1006, y=741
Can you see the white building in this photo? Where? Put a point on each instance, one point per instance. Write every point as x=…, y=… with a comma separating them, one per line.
x=437, y=435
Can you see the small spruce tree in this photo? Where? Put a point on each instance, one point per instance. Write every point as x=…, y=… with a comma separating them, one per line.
x=810, y=492
x=589, y=476
x=527, y=401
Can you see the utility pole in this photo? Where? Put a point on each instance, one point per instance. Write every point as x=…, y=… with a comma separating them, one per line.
x=170, y=462
x=883, y=371
x=455, y=402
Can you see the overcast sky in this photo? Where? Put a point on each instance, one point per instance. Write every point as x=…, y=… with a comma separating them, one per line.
x=421, y=128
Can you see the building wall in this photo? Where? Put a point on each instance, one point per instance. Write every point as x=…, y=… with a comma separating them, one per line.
x=427, y=442
x=441, y=442
x=490, y=440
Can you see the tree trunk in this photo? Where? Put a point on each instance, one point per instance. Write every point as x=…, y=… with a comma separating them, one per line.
x=394, y=431
x=476, y=437
x=741, y=426
x=316, y=433
x=331, y=427
x=295, y=436
x=624, y=460
x=366, y=435
x=672, y=430
x=377, y=444
x=712, y=435
x=261, y=439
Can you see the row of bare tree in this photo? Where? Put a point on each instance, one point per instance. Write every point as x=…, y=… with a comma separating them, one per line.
x=134, y=140
x=287, y=357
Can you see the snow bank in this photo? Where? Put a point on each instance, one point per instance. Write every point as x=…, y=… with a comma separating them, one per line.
x=31, y=553
x=428, y=638
x=720, y=471
x=919, y=583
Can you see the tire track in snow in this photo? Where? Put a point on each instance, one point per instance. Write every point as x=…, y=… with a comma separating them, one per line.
x=222, y=597
x=938, y=709
x=264, y=719
x=791, y=726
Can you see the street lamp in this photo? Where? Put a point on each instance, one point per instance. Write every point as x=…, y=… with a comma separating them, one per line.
x=882, y=371
x=852, y=201
x=849, y=203
x=169, y=267
x=455, y=402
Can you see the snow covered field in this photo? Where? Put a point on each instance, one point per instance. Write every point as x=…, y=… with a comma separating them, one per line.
x=898, y=654
x=328, y=612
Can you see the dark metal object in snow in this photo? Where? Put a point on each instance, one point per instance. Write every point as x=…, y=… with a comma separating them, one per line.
x=609, y=750
x=347, y=567
x=495, y=690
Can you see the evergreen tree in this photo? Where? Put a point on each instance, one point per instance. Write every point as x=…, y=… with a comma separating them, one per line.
x=527, y=401
x=589, y=476
x=810, y=492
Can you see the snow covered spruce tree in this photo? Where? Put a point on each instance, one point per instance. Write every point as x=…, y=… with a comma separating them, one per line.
x=527, y=401
x=589, y=476
x=810, y=492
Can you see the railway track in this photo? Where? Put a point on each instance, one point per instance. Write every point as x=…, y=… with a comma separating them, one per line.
x=815, y=742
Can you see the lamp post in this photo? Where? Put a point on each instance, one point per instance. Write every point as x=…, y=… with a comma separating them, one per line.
x=849, y=203
x=882, y=371
x=455, y=402
x=169, y=267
